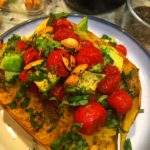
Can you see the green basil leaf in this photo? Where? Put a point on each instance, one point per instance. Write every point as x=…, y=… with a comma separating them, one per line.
x=53, y=16
x=25, y=103
x=77, y=103
x=127, y=145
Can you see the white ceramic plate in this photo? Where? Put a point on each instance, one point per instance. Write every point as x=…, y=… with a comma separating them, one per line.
x=13, y=137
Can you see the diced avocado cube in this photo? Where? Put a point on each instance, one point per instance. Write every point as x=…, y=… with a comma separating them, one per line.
x=87, y=83
x=114, y=55
x=12, y=63
x=10, y=75
x=48, y=83
x=89, y=80
x=53, y=78
x=43, y=85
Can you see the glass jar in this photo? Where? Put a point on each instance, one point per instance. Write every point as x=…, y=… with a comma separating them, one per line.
x=94, y=6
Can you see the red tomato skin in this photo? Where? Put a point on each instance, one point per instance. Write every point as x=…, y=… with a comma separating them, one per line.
x=33, y=88
x=22, y=45
x=58, y=92
x=120, y=101
x=63, y=33
x=90, y=56
x=91, y=116
x=62, y=22
x=111, y=80
x=31, y=54
x=121, y=49
x=55, y=63
x=85, y=44
x=23, y=76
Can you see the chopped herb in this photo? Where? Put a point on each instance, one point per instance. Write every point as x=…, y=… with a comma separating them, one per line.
x=36, y=77
x=112, y=120
x=76, y=103
x=131, y=73
x=141, y=111
x=29, y=110
x=83, y=24
x=13, y=80
x=45, y=45
x=96, y=68
x=111, y=40
x=20, y=94
x=77, y=100
x=34, y=123
x=103, y=100
x=11, y=44
x=52, y=127
x=127, y=145
x=113, y=43
x=124, y=79
x=76, y=126
x=69, y=141
x=83, y=89
x=104, y=36
x=25, y=103
x=53, y=16
x=107, y=59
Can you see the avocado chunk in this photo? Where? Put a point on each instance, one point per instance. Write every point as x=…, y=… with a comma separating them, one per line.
x=87, y=83
x=43, y=85
x=12, y=63
x=9, y=75
x=114, y=55
x=83, y=25
x=47, y=83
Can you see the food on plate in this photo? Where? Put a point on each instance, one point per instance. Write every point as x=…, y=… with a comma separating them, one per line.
x=68, y=88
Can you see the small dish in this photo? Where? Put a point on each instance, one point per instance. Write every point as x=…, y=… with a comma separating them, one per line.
x=136, y=21
x=23, y=6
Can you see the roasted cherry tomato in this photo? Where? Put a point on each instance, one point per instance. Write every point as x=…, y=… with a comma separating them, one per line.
x=120, y=101
x=90, y=56
x=122, y=49
x=58, y=92
x=63, y=33
x=92, y=116
x=85, y=44
x=22, y=45
x=55, y=63
x=110, y=81
x=23, y=76
x=62, y=22
x=33, y=88
x=31, y=54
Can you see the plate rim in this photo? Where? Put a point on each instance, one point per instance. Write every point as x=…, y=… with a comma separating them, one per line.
x=117, y=27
